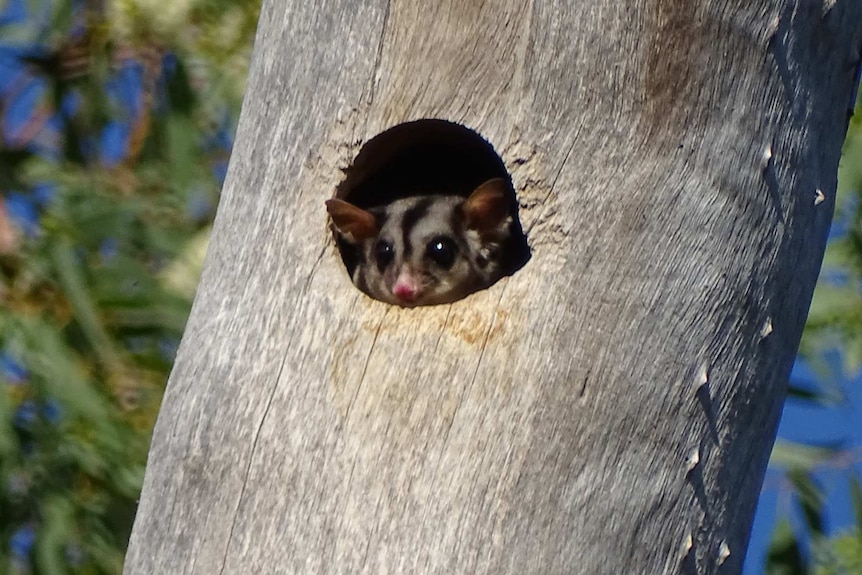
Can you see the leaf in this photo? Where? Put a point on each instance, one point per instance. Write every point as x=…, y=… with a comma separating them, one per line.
x=816, y=396
x=853, y=354
x=53, y=533
x=839, y=555
x=797, y=456
x=856, y=498
x=182, y=275
x=810, y=499
x=832, y=302
x=183, y=151
x=72, y=280
x=183, y=99
x=784, y=556
x=51, y=360
x=8, y=441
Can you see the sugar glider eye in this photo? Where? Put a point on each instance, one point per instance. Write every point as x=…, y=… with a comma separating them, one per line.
x=442, y=250
x=383, y=254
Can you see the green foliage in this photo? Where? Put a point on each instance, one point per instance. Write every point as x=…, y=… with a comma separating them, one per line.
x=785, y=557
x=841, y=556
x=91, y=307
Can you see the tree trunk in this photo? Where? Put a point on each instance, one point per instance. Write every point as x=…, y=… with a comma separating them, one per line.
x=609, y=408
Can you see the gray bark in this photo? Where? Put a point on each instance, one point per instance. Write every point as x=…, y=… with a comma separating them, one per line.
x=666, y=156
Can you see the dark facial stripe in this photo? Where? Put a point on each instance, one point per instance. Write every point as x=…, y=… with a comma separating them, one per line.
x=456, y=219
x=380, y=217
x=411, y=218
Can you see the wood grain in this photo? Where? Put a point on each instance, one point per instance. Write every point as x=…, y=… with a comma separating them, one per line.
x=541, y=426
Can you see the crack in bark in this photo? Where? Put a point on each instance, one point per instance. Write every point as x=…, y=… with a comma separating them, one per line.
x=379, y=57
x=443, y=328
x=365, y=366
x=313, y=270
x=544, y=203
x=250, y=462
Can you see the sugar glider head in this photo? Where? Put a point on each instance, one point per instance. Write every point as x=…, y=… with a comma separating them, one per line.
x=427, y=250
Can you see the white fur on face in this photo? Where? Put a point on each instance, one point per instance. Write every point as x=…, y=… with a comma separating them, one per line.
x=409, y=225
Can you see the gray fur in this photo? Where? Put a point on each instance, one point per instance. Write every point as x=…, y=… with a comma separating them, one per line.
x=477, y=256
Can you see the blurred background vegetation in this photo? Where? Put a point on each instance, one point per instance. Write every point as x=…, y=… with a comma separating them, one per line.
x=116, y=123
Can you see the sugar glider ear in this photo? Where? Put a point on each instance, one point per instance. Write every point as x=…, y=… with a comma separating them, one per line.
x=487, y=208
x=355, y=224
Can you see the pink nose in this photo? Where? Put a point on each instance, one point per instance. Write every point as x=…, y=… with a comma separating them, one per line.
x=406, y=286
x=405, y=291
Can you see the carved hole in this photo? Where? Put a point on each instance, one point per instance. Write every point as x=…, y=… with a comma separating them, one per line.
x=426, y=157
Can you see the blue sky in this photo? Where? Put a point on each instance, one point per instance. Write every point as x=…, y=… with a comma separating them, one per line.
x=807, y=422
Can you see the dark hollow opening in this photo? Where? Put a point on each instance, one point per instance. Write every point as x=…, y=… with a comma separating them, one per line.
x=427, y=157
